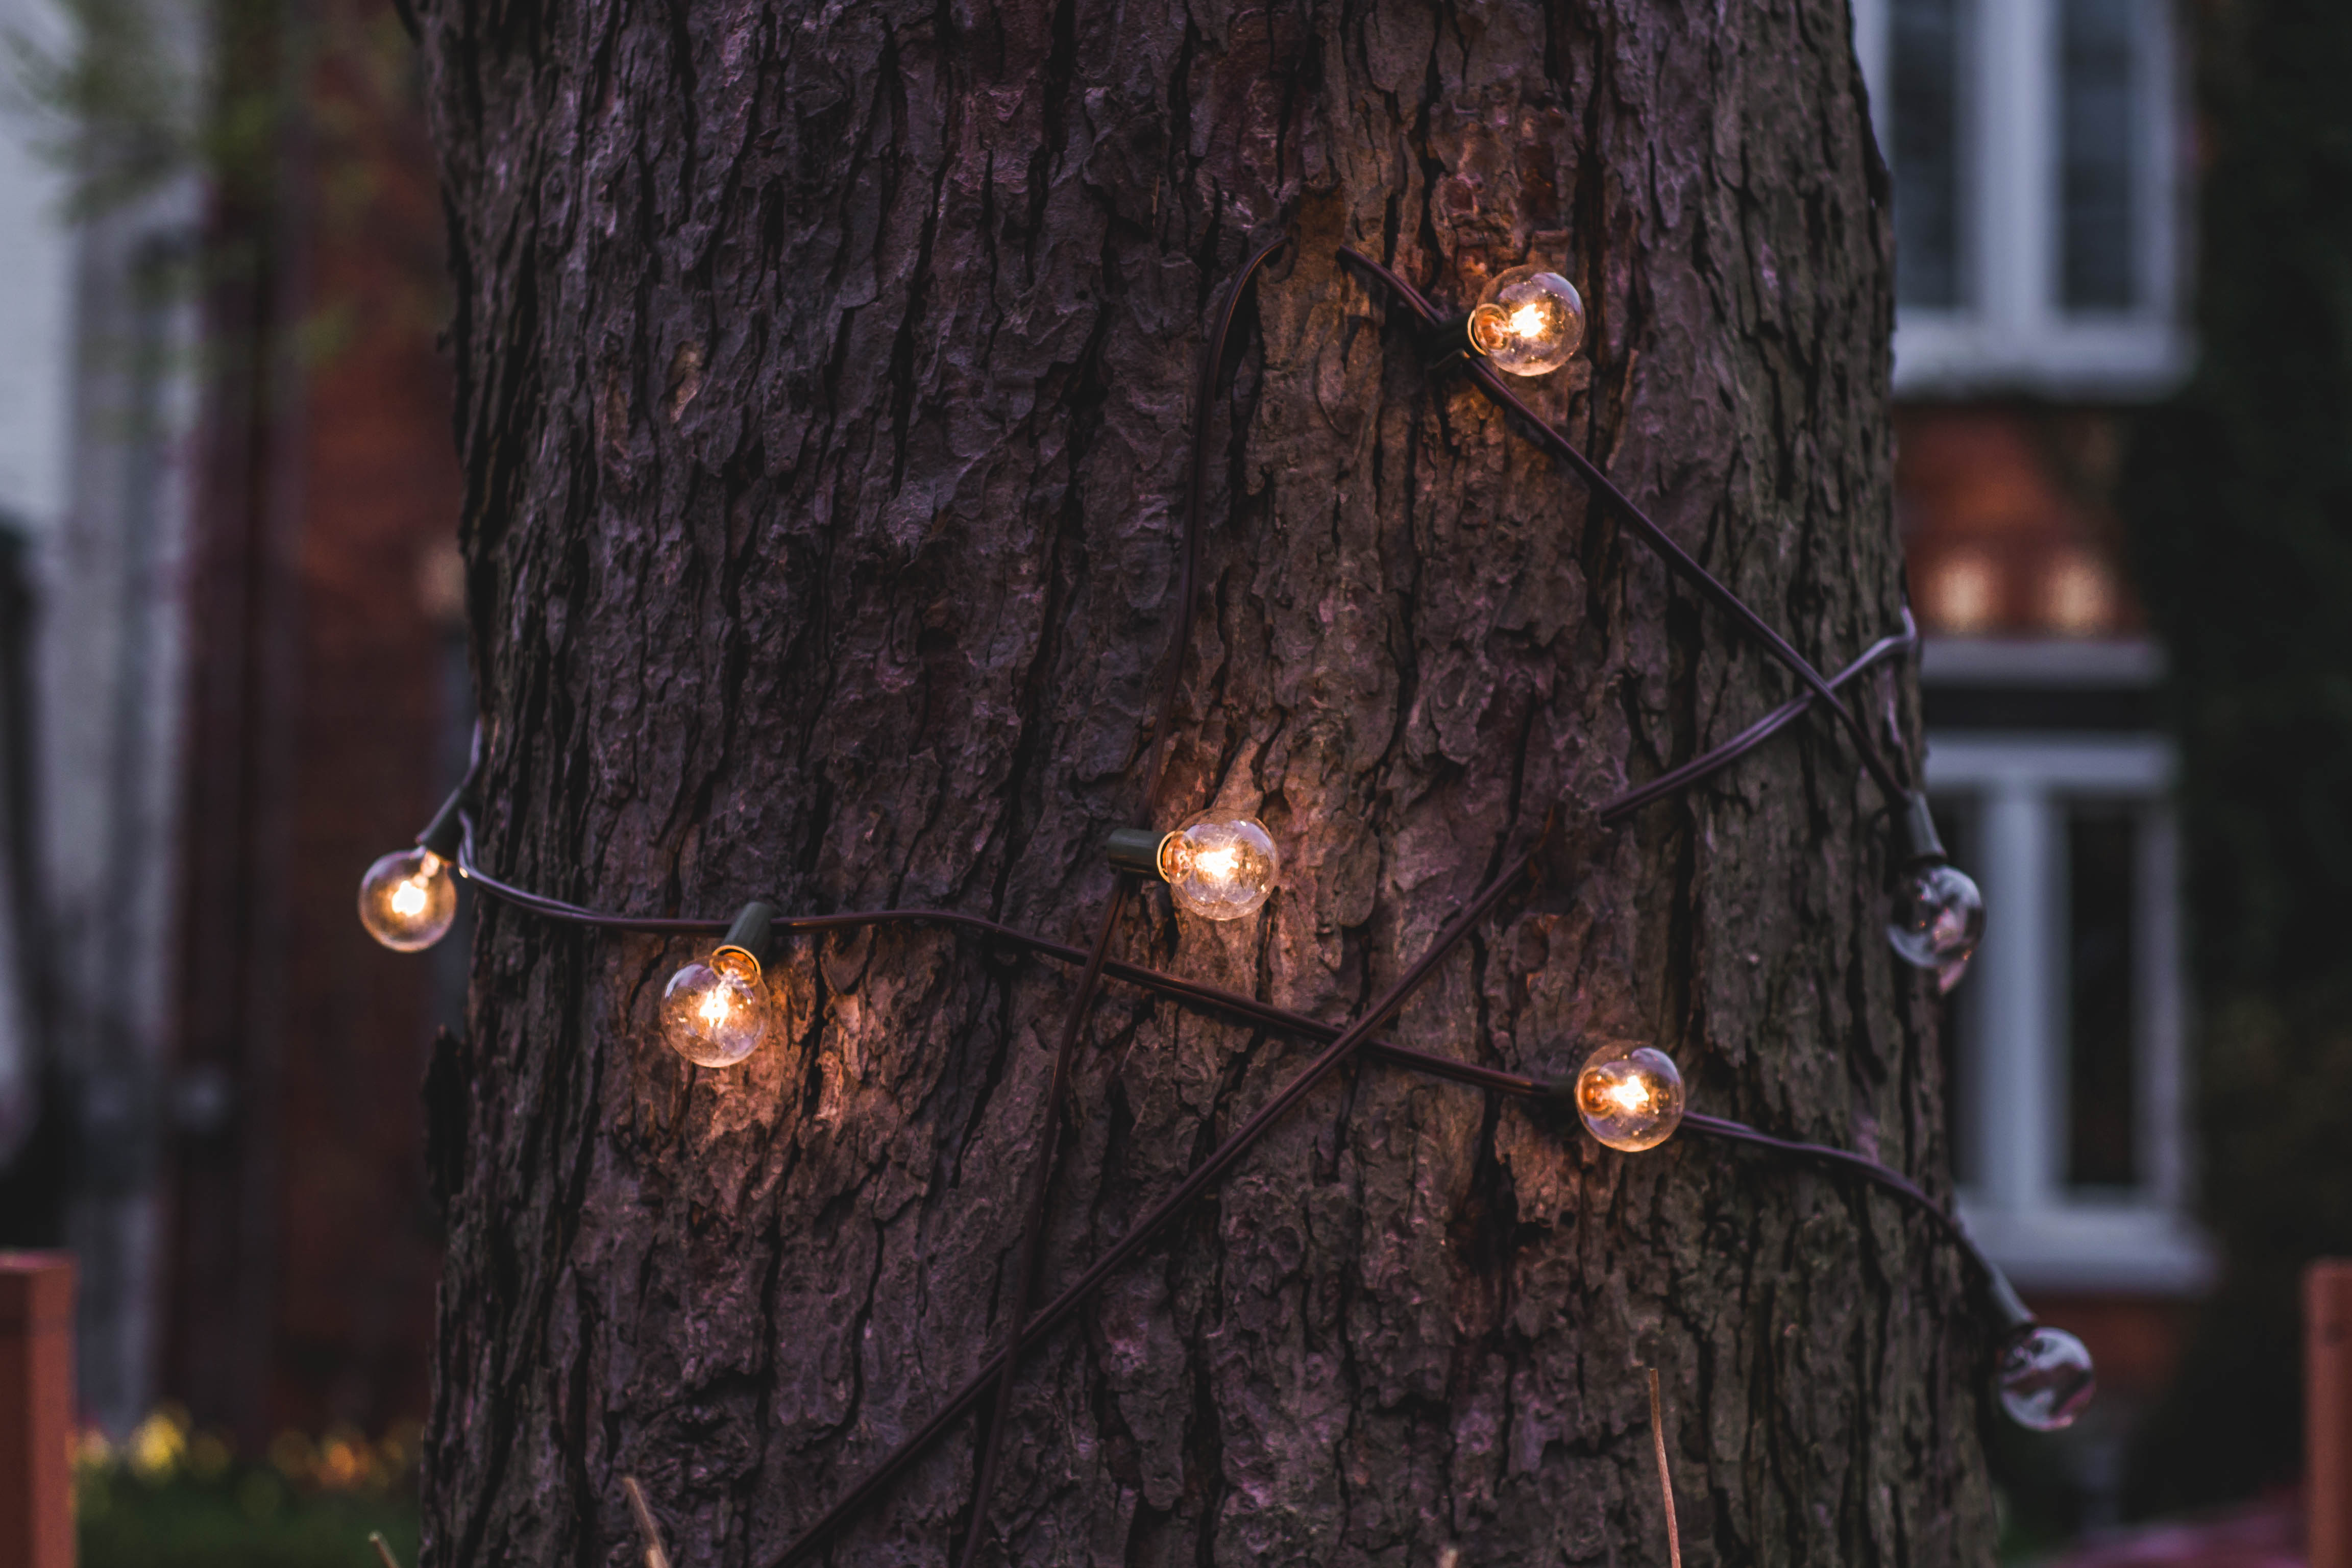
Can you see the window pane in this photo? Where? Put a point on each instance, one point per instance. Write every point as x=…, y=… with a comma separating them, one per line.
x=2102, y=917
x=1956, y=825
x=1928, y=168
x=2097, y=116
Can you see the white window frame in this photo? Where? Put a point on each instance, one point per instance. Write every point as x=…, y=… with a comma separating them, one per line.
x=2013, y=334
x=2046, y=1234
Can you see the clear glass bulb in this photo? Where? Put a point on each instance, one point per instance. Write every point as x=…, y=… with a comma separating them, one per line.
x=1221, y=868
x=1629, y=1095
x=2045, y=1379
x=1529, y=321
x=715, y=1014
x=408, y=898
x=1937, y=920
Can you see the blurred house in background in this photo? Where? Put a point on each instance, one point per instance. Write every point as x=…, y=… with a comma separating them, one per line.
x=2042, y=159
x=224, y=441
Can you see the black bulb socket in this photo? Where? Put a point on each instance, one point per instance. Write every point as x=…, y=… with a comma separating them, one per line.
x=753, y=934
x=1446, y=340
x=446, y=831
x=1915, y=842
x=2012, y=1319
x=1135, y=851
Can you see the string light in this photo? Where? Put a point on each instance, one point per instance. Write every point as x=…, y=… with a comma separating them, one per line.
x=715, y=1012
x=2045, y=1378
x=1528, y=322
x=408, y=898
x=1936, y=917
x=1219, y=868
x=1629, y=1095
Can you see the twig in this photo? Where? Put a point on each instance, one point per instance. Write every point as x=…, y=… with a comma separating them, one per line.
x=383, y=1549
x=1665, y=1478
x=654, y=1556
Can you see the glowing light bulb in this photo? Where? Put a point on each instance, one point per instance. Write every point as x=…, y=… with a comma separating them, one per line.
x=715, y=1014
x=1529, y=321
x=408, y=898
x=1629, y=1095
x=2045, y=1379
x=1220, y=868
x=1936, y=920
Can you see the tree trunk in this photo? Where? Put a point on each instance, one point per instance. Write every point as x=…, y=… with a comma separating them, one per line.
x=826, y=401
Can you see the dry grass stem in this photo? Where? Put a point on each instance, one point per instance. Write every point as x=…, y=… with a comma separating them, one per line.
x=655, y=1557
x=1665, y=1477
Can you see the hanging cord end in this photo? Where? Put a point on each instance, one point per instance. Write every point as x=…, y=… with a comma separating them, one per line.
x=383, y=1549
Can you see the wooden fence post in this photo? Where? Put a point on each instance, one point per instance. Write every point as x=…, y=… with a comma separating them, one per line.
x=2328, y=1411
x=37, y=1292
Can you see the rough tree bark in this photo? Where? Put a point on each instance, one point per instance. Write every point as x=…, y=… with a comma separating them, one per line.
x=825, y=392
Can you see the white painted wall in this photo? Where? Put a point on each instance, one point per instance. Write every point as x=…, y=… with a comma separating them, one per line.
x=98, y=409
x=36, y=270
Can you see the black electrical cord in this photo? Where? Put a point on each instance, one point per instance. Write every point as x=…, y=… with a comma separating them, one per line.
x=1659, y=541
x=1344, y=1041
x=1041, y=1164
x=1615, y=809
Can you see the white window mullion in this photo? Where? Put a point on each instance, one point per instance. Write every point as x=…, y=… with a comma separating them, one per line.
x=2016, y=176
x=2163, y=1104
x=2021, y=1096
x=2162, y=175
x=1871, y=51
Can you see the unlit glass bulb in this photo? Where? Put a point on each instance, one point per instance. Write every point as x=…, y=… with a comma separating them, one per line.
x=1220, y=868
x=715, y=1014
x=2045, y=1379
x=1529, y=321
x=1937, y=920
x=1631, y=1097
x=408, y=898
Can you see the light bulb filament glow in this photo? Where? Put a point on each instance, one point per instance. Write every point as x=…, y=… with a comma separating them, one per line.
x=1630, y=1094
x=1527, y=321
x=407, y=899
x=1217, y=865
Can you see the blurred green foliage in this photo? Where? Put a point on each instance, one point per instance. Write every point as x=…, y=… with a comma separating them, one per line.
x=174, y=1498
x=2239, y=497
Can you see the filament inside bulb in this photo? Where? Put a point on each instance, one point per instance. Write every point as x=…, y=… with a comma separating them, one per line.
x=407, y=899
x=1527, y=321
x=1217, y=865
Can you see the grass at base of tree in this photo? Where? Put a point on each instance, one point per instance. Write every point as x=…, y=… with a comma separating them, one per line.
x=170, y=1497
